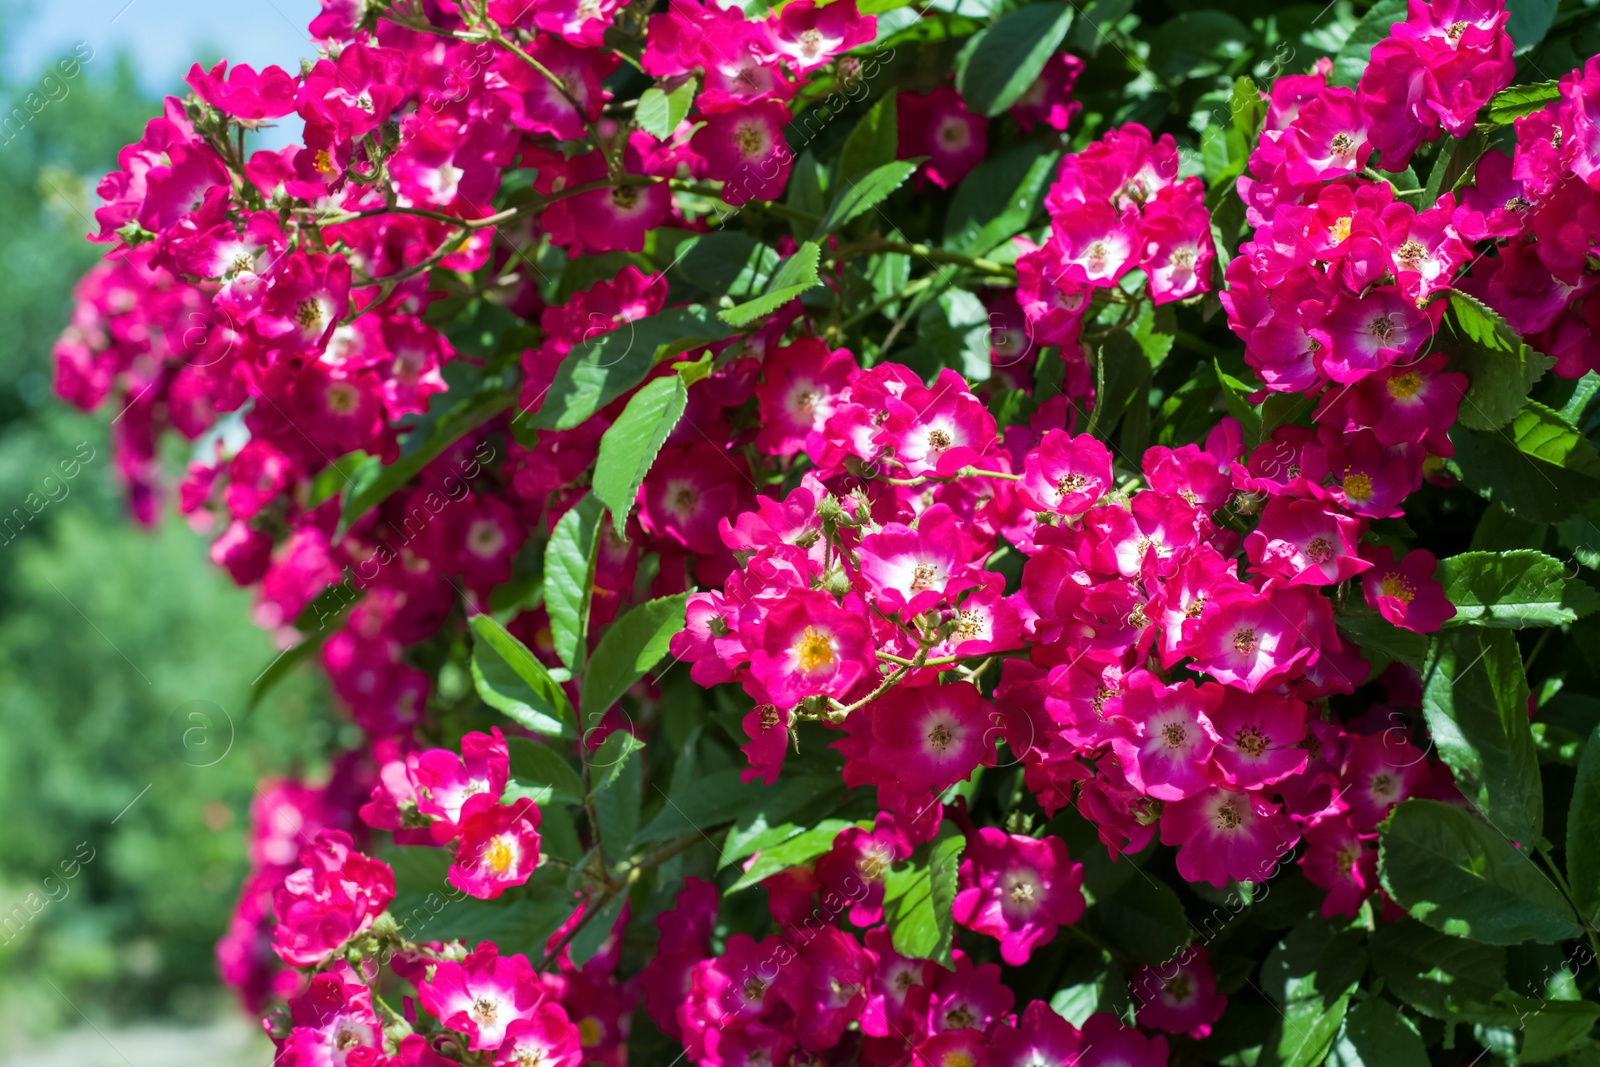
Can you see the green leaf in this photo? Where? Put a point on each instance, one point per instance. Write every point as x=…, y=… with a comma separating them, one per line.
x=608, y=365
x=426, y=907
x=629, y=447
x=1530, y=20
x=1374, y=633
x=1461, y=876
x=862, y=194
x=1374, y=26
x=1375, y=1034
x=918, y=897
x=542, y=774
x=1316, y=961
x=724, y=263
x=1581, y=535
x=605, y=766
x=1552, y=1028
x=781, y=815
x=418, y=871
x=1510, y=590
x=1308, y=1030
x=1539, y=468
x=1225, y=148
x=1194, y=45
x=281, y=667
x=1583, y=830
x=510, y=679
x=1545, y=435
x=999, y=199
x=1508, y=105
x=331, y=480
x=589, y=940
x=791, y=853
x=661, y=111
x=716, y=799
x=1454, y=166
x=1236, y=395
x=569, y=578
x=1144, y=919
x=724, y=797
x=1441, y=976
x=1089, y=31
x=1584, y=390
x=798, y=273
x=1475, y=699
x=955, y=328
x=1500, y=368
x=1127, y=371
x=617, y=807
x=449, y=419
x=808, y=193
x=1004, y=60
x=873, y=142
x=630, y=647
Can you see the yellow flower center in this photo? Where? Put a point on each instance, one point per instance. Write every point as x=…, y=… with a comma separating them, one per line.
x=1396, y=586
x=1357, y=487
x=1404, y=386
x=308, y=315
x=343, y=398
x=500, y=855
x=959, y=1018
x=814, y=650
x=751, y=140
x=1251, y=740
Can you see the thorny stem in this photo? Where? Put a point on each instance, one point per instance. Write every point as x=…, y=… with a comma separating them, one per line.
x=964, y=472
x=910, y=290
x=470, y=226
x=492, y=30
x=873, y=245
x=712, y=192
x=1566, y=891
x=839, y=713
x=610, y=892
x=379, y=1001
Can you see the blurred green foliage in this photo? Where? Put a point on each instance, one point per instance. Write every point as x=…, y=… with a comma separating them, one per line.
x=108, y=635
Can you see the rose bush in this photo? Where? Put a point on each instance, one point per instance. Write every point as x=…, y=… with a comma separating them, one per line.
x=861, y=534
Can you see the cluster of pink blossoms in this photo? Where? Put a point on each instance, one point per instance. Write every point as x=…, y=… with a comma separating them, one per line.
x=330, y=922
x=1116, y=206
x=1336, y=290
x=496, y=1006
x=437, y=797
x=1540, y=208
x=1164, y=662
x=1142, y=664
x=792, y=996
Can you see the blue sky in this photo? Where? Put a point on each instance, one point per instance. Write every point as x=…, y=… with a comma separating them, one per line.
x=163, y=36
